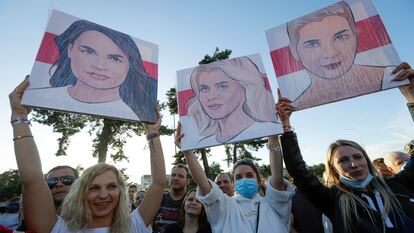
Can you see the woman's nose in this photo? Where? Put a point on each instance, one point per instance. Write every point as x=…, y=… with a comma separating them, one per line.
x=329, y=50
x=99, y=64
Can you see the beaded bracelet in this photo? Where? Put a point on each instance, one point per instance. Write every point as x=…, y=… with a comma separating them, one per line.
x=153, y=135
x=16, y=121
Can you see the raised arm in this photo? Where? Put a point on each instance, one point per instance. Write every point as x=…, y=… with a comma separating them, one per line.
x=152, y=200
x=305, y=180
x=196, y=170
x=39, y=210
x=276, y=164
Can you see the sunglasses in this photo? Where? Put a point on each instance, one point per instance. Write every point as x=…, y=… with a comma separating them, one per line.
x=66, y=180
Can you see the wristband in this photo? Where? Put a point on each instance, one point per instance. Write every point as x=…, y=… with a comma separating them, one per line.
x=152, y=135
x=275, y=149
x=23, y=136
x=16, y=121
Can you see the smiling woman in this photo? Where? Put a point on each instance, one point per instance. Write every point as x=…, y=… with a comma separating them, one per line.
x=97, y=201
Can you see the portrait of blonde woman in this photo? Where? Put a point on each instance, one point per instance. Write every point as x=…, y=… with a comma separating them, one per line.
x=231, y=102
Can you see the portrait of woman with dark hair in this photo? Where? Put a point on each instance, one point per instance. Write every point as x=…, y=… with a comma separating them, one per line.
x=100, y=69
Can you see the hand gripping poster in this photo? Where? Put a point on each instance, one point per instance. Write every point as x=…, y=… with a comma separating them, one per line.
x=225, y=102
x=335, y=53
x=86, y=68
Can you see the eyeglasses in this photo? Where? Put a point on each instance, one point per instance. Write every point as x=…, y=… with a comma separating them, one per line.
x=66, y=180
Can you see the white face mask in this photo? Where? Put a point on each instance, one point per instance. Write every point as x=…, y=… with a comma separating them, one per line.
x=356, y=184
x=402, y=166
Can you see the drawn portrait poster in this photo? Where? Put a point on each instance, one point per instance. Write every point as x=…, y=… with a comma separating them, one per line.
x=335, y=53
x=86, y=68
x=225, y=102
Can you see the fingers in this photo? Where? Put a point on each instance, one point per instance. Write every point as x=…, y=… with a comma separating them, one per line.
x=401, y=75
x=402, y=66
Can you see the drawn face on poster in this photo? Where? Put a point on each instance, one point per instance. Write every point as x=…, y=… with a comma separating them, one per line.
x=328, y=53
x=327, y=45
x=98, y=65
x=231, y=101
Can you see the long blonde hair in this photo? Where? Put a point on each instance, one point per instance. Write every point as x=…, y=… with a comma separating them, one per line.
x=245, y=72
x=348, y=201
x=76, y=212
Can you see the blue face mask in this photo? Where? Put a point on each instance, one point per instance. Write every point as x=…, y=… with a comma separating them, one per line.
x=356, y=184
x=247, y=187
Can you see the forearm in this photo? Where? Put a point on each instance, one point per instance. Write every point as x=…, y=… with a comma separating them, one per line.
x=27, y=155
x=157, y=162
x=197, y=172
x=276, y=164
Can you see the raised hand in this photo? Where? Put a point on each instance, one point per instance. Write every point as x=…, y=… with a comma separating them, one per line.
x=404, y=72
x=284, y=108
x=15, y=98
x=154, y=128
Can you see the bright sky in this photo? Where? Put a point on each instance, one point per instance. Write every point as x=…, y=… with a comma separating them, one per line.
x=185, y=31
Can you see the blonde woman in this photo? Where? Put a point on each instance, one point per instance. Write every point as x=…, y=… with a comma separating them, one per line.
x=230, y=99
x=97, y=201
x=360, y=200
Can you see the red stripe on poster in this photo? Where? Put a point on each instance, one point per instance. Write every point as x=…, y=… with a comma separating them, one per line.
x=48, y=52
x=267, y=84
x=184, y=97
x=283, y=62
x=151, y=69
x=371, y=34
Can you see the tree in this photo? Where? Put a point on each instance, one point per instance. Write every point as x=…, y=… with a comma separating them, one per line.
x=215, y=169
x=11, y=185
x=106, y=133
x=172, y=106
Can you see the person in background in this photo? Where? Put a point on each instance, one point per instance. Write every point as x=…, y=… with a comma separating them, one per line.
x=192, y=219
x=381, y=167
x=225, y=183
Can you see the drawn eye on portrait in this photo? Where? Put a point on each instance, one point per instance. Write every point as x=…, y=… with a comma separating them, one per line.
x=338, y=52
x=224, y=102
x=94, y=70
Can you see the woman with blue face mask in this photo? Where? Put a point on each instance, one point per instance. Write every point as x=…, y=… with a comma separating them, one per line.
x=246, y=212
x=360, y=199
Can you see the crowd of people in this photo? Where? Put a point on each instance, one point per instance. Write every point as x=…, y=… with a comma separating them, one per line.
x=357, y=196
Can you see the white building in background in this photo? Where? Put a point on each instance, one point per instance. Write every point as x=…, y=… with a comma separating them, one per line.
x=146, y=181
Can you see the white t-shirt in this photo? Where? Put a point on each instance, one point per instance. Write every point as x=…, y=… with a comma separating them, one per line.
x=138, y=226
x=59, y=98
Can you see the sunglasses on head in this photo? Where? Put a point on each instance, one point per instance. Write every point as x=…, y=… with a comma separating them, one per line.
x=66, y=180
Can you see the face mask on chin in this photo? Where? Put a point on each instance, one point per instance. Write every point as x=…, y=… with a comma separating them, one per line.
x=356, y=184
x=247, y=187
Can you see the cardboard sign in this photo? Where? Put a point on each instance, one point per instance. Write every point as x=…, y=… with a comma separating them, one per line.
x=86, y=68
x=335, y=53
x=225, y=102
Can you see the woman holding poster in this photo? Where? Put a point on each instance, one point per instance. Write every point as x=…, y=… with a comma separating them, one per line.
x=97, y=200
x=360, y=199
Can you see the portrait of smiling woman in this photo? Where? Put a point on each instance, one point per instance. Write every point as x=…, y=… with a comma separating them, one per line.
x=231, y=101
x=325, y=42
x=100, y=72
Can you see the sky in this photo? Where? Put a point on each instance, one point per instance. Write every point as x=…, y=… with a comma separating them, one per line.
x=185, y=31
